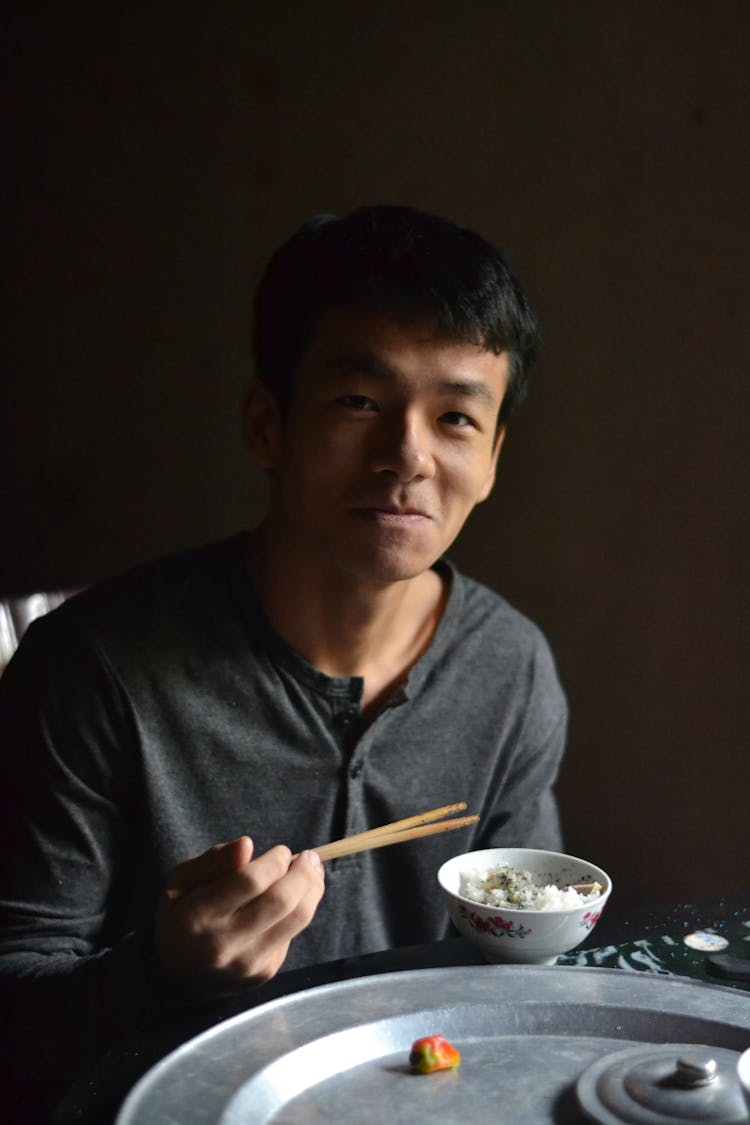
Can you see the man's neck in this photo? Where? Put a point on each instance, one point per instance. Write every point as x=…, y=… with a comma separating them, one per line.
x=345, y=626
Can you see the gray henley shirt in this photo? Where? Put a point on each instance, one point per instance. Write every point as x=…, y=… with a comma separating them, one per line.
x=158, y=714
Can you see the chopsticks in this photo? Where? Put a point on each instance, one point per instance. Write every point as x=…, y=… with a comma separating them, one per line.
x=410, y=828
x=398, y=832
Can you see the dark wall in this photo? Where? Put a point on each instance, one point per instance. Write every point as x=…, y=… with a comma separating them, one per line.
x=158, y=153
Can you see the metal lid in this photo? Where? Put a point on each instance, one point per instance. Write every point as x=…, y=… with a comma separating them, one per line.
x=655, y=1084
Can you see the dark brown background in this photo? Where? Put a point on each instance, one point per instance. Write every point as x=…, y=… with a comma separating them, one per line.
x=158, y=153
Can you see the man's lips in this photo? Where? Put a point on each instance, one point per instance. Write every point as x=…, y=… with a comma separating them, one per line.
x=393, y=514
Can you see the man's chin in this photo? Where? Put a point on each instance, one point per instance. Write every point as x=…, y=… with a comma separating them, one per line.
x=383, y=568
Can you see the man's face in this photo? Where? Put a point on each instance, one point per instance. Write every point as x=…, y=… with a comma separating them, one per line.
x=389, y=442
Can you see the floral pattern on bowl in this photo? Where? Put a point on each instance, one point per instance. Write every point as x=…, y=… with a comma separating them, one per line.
x=590, y=918
x=497, y=926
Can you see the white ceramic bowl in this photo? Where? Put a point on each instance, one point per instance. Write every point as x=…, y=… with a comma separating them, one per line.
x=743, y=1073
x=533, y=937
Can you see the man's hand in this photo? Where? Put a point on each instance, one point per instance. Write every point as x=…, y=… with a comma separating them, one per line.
x=235, y=916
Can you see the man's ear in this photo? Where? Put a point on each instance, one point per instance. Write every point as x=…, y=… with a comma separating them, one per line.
x=492, y=474
x=262, y=425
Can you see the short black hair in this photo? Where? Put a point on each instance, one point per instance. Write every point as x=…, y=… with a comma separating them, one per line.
x=396, y=258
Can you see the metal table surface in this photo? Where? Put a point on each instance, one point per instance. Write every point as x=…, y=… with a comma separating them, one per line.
x=648, y=939
x=528, y=1035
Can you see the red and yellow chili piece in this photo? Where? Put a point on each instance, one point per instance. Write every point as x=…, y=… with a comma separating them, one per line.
x=433, y=1053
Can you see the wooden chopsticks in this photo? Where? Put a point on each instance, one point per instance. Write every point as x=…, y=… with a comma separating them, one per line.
x=411, y=828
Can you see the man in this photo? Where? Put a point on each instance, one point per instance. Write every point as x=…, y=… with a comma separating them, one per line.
x=196, y=722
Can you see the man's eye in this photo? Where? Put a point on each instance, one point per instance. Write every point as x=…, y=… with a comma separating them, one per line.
x=456, y=418
x=358, y=402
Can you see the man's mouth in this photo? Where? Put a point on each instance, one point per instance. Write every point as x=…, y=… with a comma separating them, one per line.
x=393, y=514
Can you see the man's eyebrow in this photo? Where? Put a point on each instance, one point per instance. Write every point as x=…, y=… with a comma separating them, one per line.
x=360, y=363
x=469, y=388
x=363, y=364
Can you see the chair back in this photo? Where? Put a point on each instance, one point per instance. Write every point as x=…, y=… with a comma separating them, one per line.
x=16, y=614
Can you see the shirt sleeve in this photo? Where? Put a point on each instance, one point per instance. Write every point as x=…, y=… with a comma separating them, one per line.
x=65, y=779
x=524, y=812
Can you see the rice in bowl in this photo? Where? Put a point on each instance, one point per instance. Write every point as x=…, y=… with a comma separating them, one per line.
x=509, y=887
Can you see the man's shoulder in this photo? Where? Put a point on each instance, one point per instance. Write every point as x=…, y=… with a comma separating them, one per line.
x=140, y=603
x=490, y=617
x=494, y=652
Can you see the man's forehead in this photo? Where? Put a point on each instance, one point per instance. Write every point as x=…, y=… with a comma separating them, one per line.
x=375, y=330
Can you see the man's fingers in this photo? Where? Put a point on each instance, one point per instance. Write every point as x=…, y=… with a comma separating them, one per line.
x=222, y=859
x=259, y=935
x=236, y=929
x=224, y=896
x=302, y=912
x=281, y=898
x=261, y=965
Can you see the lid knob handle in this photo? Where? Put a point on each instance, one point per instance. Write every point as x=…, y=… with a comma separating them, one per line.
x=696, y=1068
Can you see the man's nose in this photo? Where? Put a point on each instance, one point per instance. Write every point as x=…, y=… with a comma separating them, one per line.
x=403, y=447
